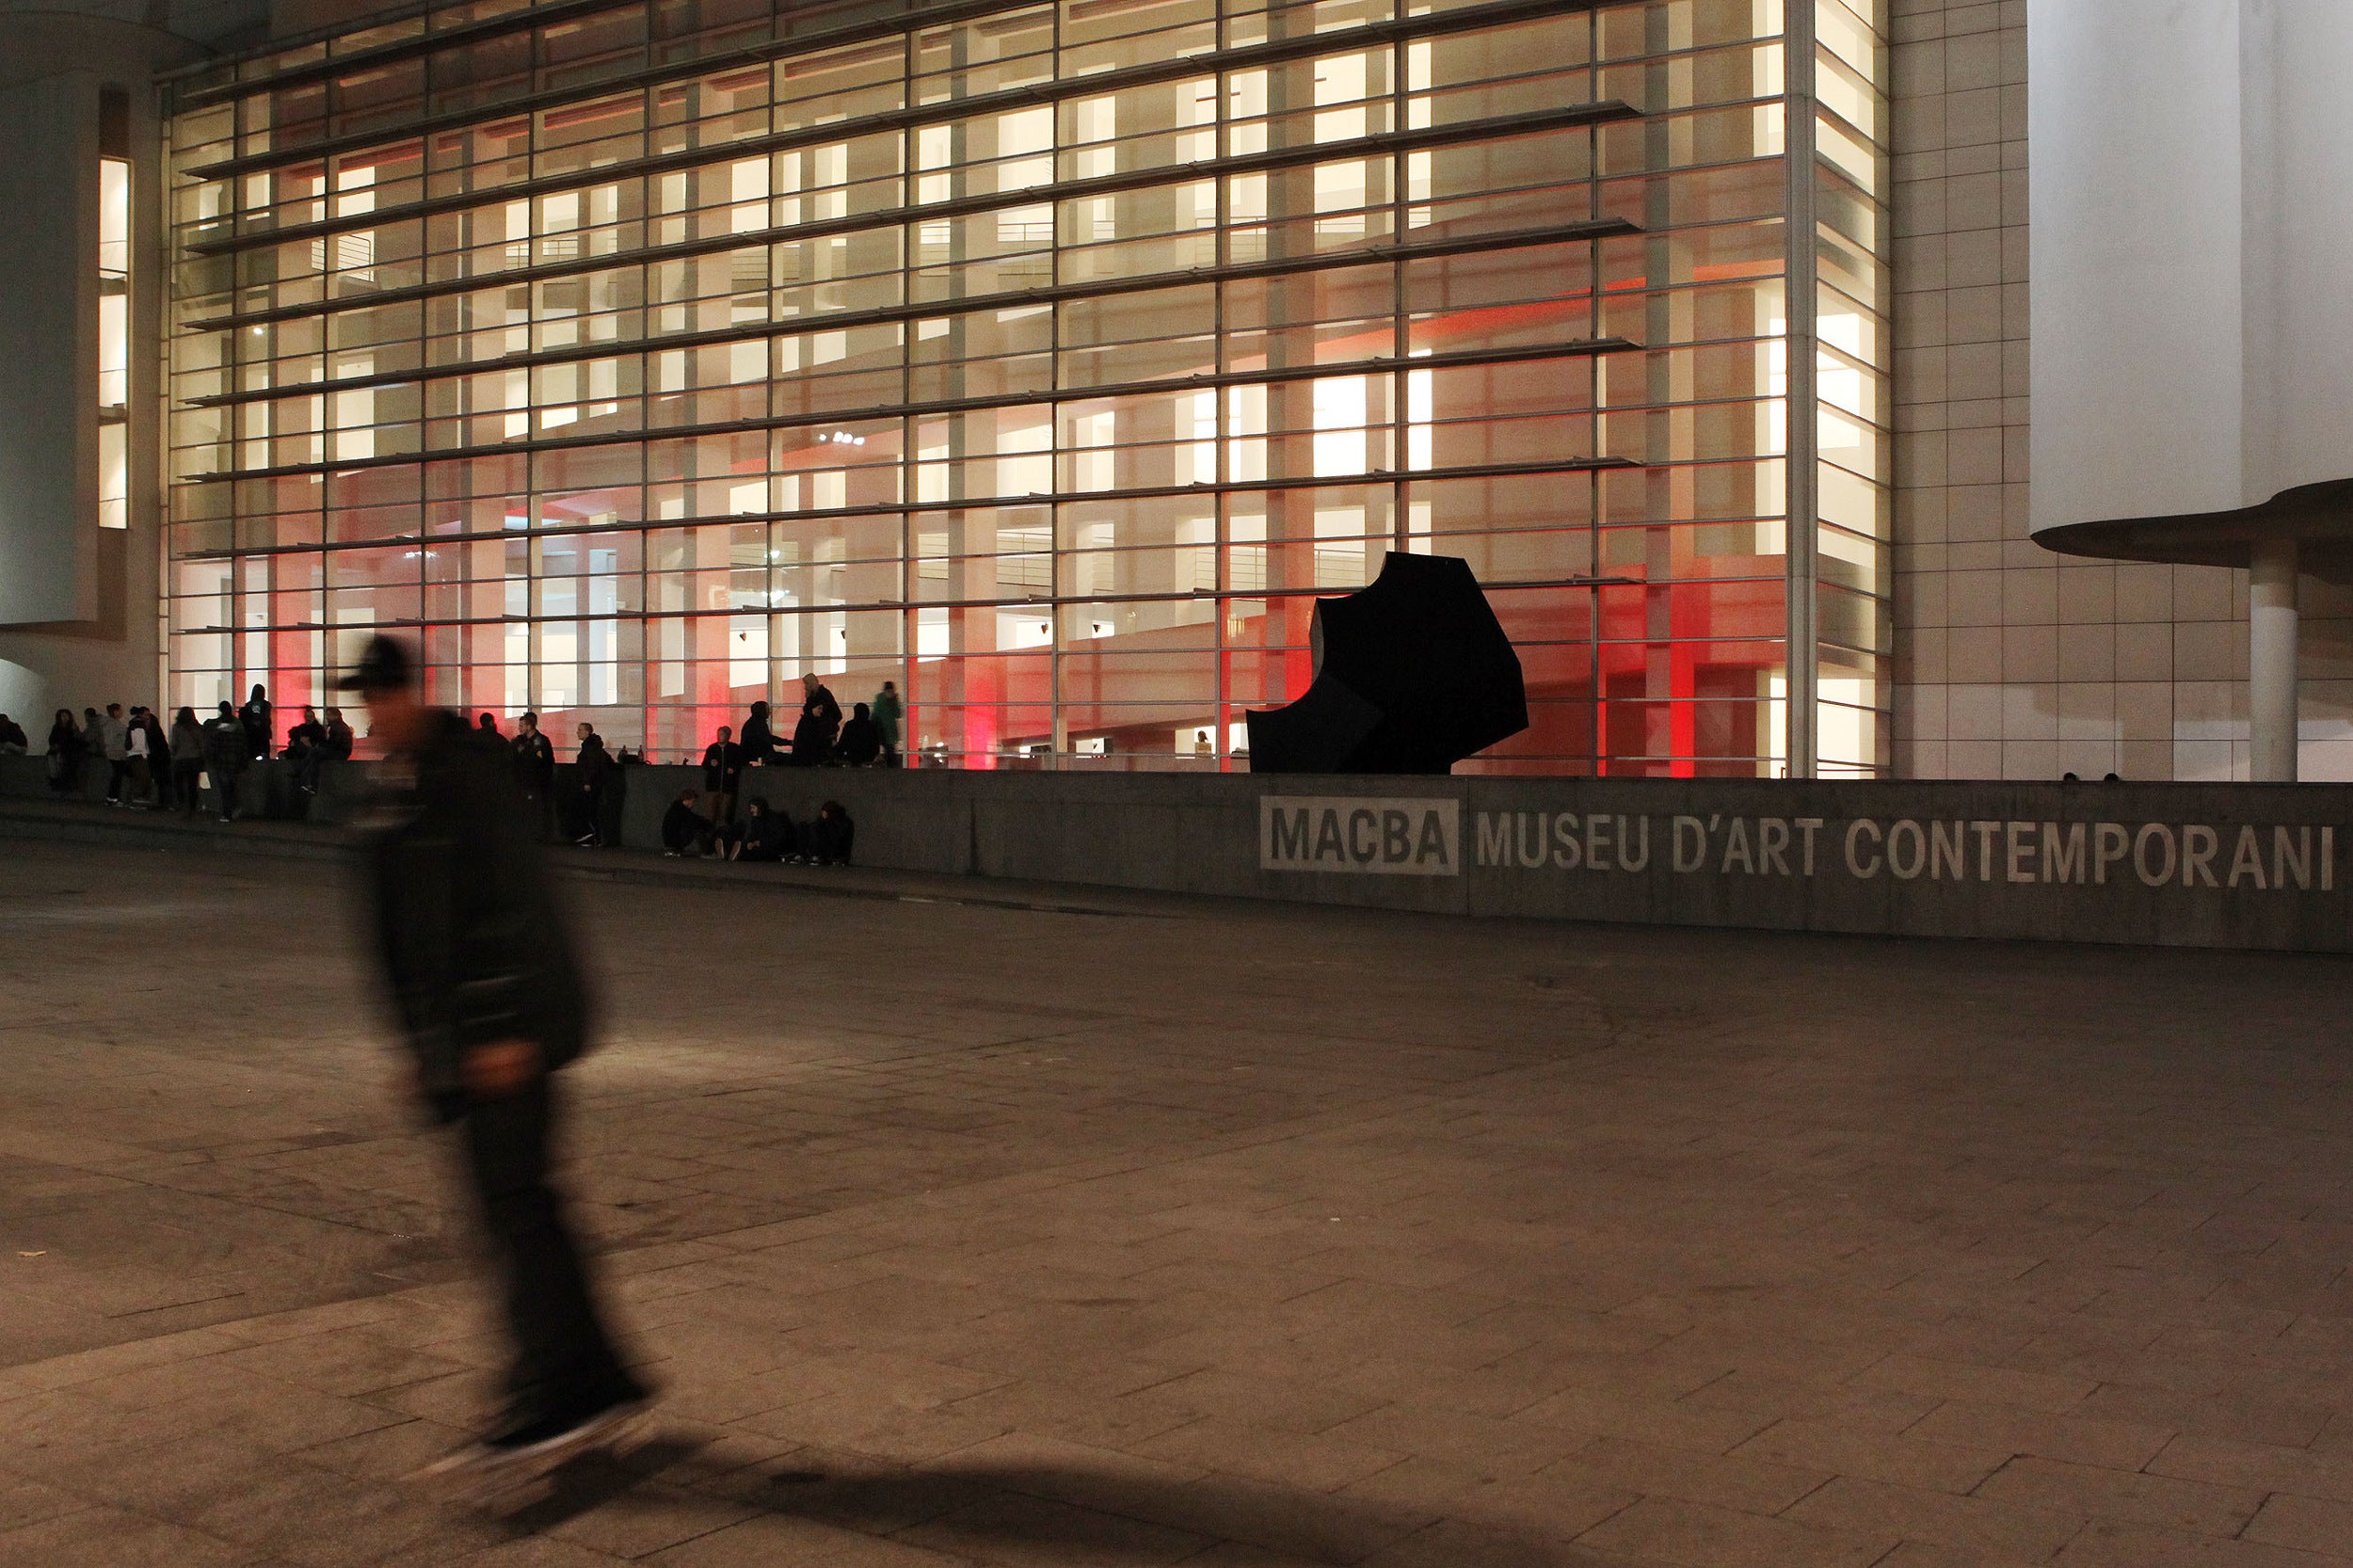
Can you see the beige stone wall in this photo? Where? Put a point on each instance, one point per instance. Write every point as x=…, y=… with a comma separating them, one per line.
x=2012, y=662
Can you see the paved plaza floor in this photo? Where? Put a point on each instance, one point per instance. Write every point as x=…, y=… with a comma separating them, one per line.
x=1181, y=1232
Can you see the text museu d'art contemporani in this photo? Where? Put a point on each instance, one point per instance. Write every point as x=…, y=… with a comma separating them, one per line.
x=1395, y=835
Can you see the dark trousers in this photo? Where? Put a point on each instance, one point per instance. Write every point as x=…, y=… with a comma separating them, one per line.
x=225, y=790
x=119, y=769
x=183, y=788
x=588, y=813
x=564, y=1362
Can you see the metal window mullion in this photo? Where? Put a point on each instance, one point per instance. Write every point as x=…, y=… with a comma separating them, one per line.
x=1802, y=498
x=1597, y=760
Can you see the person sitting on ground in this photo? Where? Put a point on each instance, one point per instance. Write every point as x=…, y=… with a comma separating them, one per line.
x=861, y=740
x=13, y=741
x=766, y=835
x=188, y=761
x=66, y=747
x=685, y=830
x=820, y=719
x=825, y=840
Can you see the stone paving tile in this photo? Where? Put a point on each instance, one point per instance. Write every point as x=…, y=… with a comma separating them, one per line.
x=2006, y=1429
x=2109, y=1544
x=113, y=1538
x=1961, y=1524
x=2308, y=1524
x=2196, y=1507
x=1693, y=1534
x=1244, y=1238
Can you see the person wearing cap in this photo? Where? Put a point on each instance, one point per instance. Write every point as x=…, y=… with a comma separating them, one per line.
x=487, y=989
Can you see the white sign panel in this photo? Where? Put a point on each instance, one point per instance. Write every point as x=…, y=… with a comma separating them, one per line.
x=1366, y=835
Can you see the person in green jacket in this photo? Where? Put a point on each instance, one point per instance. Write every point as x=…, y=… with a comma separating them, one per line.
x=886, y=710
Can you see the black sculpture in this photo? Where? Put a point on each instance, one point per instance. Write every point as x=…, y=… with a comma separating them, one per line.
x=1412, y=674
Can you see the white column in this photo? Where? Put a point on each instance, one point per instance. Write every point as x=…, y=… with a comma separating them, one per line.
x=2271, y=659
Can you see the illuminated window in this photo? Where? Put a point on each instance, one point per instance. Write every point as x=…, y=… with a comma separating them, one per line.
x=1048, y=361
x=114, y=341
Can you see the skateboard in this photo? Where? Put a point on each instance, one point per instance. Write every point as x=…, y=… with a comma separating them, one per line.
x=480, y=1477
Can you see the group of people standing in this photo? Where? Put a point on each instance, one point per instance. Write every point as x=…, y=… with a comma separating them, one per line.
x=578, y=813
x=149, y=766
x=820, y=736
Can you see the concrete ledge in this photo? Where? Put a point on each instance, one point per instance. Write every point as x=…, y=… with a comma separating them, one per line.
x=2222, y=865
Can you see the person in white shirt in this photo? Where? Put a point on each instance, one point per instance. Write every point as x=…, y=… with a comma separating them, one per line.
x=135, y=760
x=113, y=743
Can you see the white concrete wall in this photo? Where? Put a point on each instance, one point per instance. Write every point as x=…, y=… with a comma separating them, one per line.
x=2135, y=207
x=2192, y=209
x=49, y=346
x=100, y=644
x=2012, y=662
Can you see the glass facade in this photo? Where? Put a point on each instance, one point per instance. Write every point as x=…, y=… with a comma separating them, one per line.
x=1047, y=360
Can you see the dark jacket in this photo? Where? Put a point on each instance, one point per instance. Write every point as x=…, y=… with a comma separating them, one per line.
x=861, y=740
x=759, y=739
x=683, y=827
x=723, y=764
x=336, y=744
x=12, y=733
x=188, y=743
x=225, y=742
x=767, y=836
x=535, y=762
x=595, y=764
x=829, y=835
x=474, y=945
x=254, y=716
x=812, y=737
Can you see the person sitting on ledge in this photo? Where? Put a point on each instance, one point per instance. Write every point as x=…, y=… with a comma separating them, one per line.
x=304, y=737
x=685, y=830
x=764, y=835
x=13, y=741
x=825, y=842
x=333, y=745
x=861, y=741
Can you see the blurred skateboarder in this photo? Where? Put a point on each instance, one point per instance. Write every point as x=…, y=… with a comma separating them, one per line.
x=486, y=988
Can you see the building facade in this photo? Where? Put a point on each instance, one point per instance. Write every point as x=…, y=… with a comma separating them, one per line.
x=1047, y=360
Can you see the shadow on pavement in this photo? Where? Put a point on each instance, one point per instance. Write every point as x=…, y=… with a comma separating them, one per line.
x=1051, y=1513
